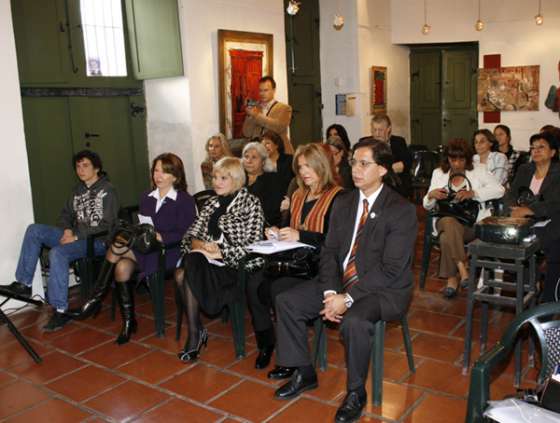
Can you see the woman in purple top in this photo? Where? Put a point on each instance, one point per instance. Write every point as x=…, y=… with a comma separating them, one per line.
x=171, y=210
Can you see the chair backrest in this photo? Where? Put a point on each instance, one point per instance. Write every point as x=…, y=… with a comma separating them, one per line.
x=129, y=213
x=202, y=197
x=546, y=330
x=423, y=164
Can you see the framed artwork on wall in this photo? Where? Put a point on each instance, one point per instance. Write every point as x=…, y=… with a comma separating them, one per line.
x=378, y=89
x=243, y=58
x=508, y=89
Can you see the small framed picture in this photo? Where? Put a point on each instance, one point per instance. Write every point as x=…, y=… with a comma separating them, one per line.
x=378, y=89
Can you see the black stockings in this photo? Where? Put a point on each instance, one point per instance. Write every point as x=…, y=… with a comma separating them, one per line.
x=192, y=310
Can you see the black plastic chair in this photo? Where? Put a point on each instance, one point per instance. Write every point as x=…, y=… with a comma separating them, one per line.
x=202, y=197
x=423, y=164
x=547, y=332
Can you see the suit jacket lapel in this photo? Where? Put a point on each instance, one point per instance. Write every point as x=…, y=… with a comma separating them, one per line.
x=375, y=210
x=350, y=222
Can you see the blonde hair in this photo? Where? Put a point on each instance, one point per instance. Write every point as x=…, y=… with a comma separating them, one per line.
x=261, y=150
x=223, y=142
x=232, y=167
x=318, y=159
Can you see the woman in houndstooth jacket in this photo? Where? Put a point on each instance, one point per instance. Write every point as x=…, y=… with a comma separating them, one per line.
x=214, y=248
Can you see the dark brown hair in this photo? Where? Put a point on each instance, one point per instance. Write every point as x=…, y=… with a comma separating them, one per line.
x=489, y=136
x=275, y=138
x=457, y=148
x=382, y=156
x=173, y=165
x=268, y=79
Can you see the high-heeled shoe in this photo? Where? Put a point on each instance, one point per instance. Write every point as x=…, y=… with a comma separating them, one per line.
x=192, y=354
x=126, y=303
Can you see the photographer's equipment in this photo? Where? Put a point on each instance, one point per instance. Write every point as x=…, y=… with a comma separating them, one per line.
x=465, y=211
x=4, y=319
x=301, y=262
x=140, y=237
x=504, y=230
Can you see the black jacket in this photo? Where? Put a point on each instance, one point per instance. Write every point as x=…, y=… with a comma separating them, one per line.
x=90, y=209
x=268, y=188
x=385, y=251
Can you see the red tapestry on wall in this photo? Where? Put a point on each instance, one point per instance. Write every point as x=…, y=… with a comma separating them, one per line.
x=246, y=70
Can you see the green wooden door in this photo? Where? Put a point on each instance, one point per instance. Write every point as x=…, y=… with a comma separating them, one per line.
x=459, y=117
x=48, y=135
x=102, y=124
x=425, y=86
x=304, y=74
x=41, y=33
x=155, y=40
x=443, y=93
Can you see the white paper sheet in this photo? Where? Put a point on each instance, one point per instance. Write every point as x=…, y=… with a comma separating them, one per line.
x=215, y=262
x=274, y=246
x=514, y=410
x=145, y=219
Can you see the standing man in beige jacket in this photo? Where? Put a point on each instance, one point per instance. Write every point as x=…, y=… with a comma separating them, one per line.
x=268, y=114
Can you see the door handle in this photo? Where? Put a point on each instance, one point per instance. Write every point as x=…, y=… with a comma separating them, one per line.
x=136, y=109
x=90, y=135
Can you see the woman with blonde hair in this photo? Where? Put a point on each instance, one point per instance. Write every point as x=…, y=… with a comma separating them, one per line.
x=226, y=225
x=216, y=147
x=310, y=207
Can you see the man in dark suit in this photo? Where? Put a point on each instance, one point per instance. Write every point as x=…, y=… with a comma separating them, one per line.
x=364, y=276
x=381, y=130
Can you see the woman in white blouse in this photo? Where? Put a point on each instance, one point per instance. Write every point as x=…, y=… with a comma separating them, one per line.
x=488, y=156
x=468, y=182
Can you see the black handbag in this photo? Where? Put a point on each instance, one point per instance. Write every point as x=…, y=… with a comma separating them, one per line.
x=301, y=262
x=465, y=211
x=139, y=237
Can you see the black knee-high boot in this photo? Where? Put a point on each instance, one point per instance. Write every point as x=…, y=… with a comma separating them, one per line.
x=126, y=303
x=93, y=305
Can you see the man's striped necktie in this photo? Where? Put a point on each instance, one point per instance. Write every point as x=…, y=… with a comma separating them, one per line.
x=350, y=277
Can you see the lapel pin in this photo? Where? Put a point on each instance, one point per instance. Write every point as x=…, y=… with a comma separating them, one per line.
x=372, y=215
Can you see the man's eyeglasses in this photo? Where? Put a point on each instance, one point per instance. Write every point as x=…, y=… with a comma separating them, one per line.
x=362, y=164
x=537, y=148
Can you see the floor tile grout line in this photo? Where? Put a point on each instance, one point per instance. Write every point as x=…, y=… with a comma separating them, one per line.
x=282, y=409
x=412, y=407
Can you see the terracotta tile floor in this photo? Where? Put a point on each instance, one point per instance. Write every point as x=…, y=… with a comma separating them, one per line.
x=86, y=377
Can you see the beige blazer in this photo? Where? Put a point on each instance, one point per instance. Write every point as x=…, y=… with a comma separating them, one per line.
x=277, y=120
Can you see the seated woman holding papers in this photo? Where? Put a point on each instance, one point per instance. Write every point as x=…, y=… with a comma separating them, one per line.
x=227, y=224
x=309, y=212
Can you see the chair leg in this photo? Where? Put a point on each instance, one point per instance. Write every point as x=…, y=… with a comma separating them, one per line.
x=156, y=283
x=237, y=312
x=179, y=315
x=113, y=303
x=426, y=253
x=377, y=367
x=320, y=345
x=407, y=344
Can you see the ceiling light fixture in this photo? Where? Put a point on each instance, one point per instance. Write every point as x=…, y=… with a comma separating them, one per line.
x=338, y=20
x=293, y=7
x=479, y=25
x=539, y=18
x=426, y=28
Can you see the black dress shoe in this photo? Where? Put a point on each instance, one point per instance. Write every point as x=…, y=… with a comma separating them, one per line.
x=351, y=408
x=18, y=288
x=263, y=359
x=280, y=372
x=297, y=385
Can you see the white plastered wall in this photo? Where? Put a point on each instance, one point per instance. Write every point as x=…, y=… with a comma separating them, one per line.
x=510, y=31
